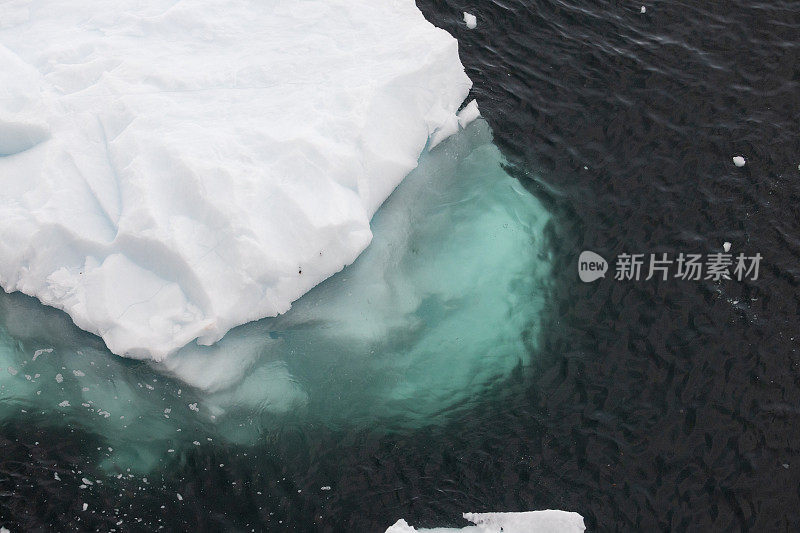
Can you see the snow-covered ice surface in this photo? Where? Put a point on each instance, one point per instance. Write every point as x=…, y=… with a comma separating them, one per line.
x=173, y=170
x=441, y=308
x=527, y=522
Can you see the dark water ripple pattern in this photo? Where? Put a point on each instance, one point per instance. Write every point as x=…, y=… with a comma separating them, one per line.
x=654, y=406
x=659, y=405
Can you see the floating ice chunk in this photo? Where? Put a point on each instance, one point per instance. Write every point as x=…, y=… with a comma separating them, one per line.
x=726, y=246
x=471, y=20
x=643, y=10
x=461, y=120
x=85, y=506
x=180, y=498
x=468, y=114
x=4, y=530
x=37, y=353
x=59, y=378
x=171, y=170
x=65, y=403
x=527, y=522
x=738, y=161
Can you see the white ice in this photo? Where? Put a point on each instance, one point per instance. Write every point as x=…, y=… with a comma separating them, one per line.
x=441, y=309
x=738, y=161
x=526, y=522
x=471, y=20
x=172, y=170
x=461, y=120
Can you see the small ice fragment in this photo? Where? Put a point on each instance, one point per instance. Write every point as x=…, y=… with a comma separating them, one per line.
x=85, y=506
x=561, y=521
x=468, y=114
x=193, y=407
x=65, y=403
x=471, y=20
x=326, y=487
x=785, y=465
x=86, y=481
x=59, y=378
x=37, y=353
x=180, y=498
x=78, y=373
x=738, y=161
x=55, y=475
x=4, y=530
x=643, y=10
x=726, y=246
x=13, y=371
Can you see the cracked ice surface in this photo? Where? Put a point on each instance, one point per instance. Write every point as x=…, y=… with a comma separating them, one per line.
x=173, y=169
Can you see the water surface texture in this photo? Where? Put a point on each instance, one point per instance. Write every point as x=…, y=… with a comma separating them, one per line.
x=650, y=405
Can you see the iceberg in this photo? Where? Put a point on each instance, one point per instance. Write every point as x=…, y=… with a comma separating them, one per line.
x=528, y=522
x=172, y=170
x=438, y=314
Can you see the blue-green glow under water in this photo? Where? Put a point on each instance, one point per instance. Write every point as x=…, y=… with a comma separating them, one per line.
x=439, y=307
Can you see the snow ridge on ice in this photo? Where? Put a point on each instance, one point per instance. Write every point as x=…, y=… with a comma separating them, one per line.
x=172, y=170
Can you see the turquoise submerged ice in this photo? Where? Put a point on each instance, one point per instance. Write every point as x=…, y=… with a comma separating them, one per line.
x=442, y=304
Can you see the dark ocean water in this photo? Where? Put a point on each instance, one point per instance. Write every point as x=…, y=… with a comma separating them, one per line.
x=651, y=405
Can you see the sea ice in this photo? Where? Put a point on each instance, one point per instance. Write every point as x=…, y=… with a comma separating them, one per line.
x=172, y=170
x=527, y=522
x=471, y=20
x=468, y=114
x=441, y=309
x=738, y=161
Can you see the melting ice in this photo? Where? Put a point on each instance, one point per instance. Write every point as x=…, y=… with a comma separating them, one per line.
x=443, y=304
